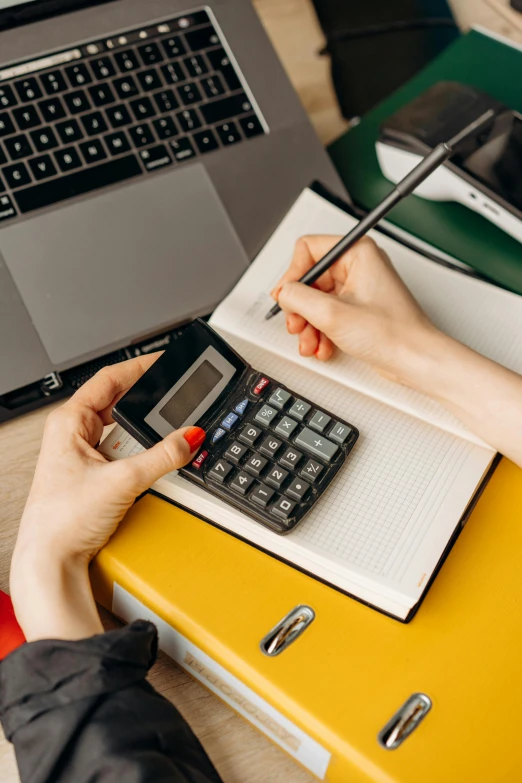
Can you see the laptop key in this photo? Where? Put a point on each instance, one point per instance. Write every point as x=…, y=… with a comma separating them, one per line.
x=101, y=94
x=155, y=157
x=173, y=73
x=251, y=126
x=150, y=54
x=127, y=60
x=149, y=80
x=93, y=151
x=42, y=167
x=7, y=209
x=183, y=149
x=53, y=82
x=94, y=123
x=6, y=125
x=17, y=175
x=117, y=143
x=224, y=108
x=165, y=128
x=173, y=46
x=18, y=147
x=68, y=159
x=195, y=66
x=7, y=97
x=126, y=87
x=78, y=75
x=26, y=117
x=44, y=139
x=77, y=102
x=142, y=108
x=189, y=93
x=206, y=140
x=118, y=116
x=189, y=120
x=77, y=183
x=203, y=38
x=103, y=67
x=3, y=159
x=166, y=101
x=228, y=133
x=213, y=86
x=69, y=130
x=141, y=135
x=52, y=109
x=28, y=90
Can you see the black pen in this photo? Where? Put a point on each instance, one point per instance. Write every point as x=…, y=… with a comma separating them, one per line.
x=432, y=161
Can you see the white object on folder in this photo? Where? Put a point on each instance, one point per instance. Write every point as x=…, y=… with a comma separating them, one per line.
x=383, y=525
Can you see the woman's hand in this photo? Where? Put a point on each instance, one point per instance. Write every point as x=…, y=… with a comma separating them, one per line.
x=359, y=305
x=362, y=306
x=76, y=502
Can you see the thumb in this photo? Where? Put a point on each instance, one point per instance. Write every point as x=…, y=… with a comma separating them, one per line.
x=171, y=453
x=320, y=309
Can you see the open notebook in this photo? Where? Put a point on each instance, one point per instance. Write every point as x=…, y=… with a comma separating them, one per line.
x=383, y=526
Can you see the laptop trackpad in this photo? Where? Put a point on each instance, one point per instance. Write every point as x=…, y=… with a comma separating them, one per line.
x=124, y=263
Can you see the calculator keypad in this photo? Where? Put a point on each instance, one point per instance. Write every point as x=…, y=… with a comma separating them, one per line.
x=271, y=453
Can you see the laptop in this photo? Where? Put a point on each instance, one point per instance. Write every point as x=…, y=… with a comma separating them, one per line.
x=147, y=151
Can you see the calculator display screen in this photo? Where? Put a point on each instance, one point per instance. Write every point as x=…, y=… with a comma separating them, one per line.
x=191, y=394
x=190, y=397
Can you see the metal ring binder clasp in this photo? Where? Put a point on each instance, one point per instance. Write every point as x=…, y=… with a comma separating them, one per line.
x=287, y=630
x=404, y=721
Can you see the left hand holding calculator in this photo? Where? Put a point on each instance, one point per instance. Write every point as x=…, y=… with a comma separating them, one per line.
x=269, y=452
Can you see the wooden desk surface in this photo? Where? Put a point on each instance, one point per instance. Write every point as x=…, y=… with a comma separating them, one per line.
x=239, y=752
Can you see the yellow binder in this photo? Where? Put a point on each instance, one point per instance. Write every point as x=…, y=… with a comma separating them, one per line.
x=329, y=694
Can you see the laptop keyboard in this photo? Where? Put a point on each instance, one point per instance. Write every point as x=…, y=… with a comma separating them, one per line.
x=108, y=110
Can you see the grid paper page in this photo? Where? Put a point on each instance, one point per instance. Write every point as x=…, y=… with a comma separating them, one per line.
x=478, y=314
x=392, y=508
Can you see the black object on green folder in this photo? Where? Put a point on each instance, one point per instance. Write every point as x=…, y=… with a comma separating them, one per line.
x=483, y=62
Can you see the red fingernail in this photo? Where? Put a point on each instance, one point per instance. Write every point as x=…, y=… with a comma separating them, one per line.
x=195, y=437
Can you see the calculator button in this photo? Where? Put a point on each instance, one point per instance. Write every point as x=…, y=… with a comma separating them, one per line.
x=319, y=421
x=283, y=508
x=256, y=464
x=220, y=470
x=241, y=407
x=291, y=458
x=265, y=414
x=286, y=426
x=229, y=421
x=249, y=434
x=218, y=434
x=261, y=385
x=297, y=489
x=276, y=477
x=312, y=470
x=279, y=398
x=270, y=446
x=200, y=459
x=299, y=409
x=262, y=495
x=235, y=452
x=241, y=483
x=318, y=445
x=339, y=432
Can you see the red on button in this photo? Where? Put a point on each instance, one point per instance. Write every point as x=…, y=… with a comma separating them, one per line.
x=200, y=459
x=261, y=384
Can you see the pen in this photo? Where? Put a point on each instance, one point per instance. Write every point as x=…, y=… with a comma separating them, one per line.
x=432, y=161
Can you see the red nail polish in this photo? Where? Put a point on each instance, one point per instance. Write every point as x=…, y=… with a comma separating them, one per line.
x=195, y=437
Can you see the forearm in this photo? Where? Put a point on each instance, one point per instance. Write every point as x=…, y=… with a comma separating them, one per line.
x=485, y=396
x=52, y=598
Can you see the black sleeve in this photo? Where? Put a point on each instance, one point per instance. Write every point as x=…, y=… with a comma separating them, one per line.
x=83, y=711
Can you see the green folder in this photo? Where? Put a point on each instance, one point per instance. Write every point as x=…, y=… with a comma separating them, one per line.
x=486, y=63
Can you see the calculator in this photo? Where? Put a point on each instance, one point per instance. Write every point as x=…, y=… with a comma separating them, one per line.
x=269, y=452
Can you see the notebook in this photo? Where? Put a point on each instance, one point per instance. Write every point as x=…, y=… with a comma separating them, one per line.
x=383, y=527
